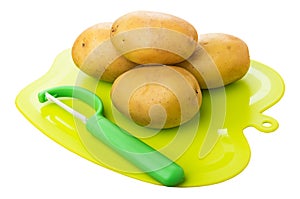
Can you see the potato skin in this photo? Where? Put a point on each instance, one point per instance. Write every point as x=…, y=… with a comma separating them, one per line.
x=157, y=96
x=218, y=60
x=153, y=37
x=94, y=54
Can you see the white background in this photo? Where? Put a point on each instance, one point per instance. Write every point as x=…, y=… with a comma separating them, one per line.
x=34, y=32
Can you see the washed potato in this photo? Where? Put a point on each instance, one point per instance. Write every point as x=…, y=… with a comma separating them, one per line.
x=218, y=60
x=94, y=54
x=152, y=37
x=157, y=96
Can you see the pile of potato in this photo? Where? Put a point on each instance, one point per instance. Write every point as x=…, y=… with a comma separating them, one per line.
x=157, y=65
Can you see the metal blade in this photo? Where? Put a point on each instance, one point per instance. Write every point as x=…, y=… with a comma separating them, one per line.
x=75, y=113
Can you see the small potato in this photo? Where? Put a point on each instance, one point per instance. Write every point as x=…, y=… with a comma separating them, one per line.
x=151, y=37
x=94, y=54
x=157, y=96
x=218, y=60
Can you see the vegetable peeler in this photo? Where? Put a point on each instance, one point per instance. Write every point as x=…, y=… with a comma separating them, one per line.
x=138, y=153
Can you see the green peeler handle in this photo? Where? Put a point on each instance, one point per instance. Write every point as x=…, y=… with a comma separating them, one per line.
x=138, y=153
x=135, y=151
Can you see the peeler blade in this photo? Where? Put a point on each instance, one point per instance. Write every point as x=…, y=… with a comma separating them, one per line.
x=75, y=113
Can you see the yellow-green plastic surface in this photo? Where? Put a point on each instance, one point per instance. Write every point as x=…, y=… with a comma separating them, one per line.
x=210, y=148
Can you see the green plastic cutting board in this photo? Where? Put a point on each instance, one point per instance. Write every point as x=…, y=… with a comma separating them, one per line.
x=210, y=148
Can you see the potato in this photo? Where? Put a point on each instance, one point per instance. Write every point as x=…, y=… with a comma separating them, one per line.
x=152, y=37
x=157, y=96
x=218, y=60
x=94, y=54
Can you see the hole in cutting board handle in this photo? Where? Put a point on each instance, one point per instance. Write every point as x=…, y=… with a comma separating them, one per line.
x=265, y=123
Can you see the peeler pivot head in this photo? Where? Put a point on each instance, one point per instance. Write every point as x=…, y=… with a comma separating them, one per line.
x=80, y=93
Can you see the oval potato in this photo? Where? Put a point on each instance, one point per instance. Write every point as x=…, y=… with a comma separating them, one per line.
x=94, y=54
x=157, y=96
x=151, y=37
x=218, y=60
